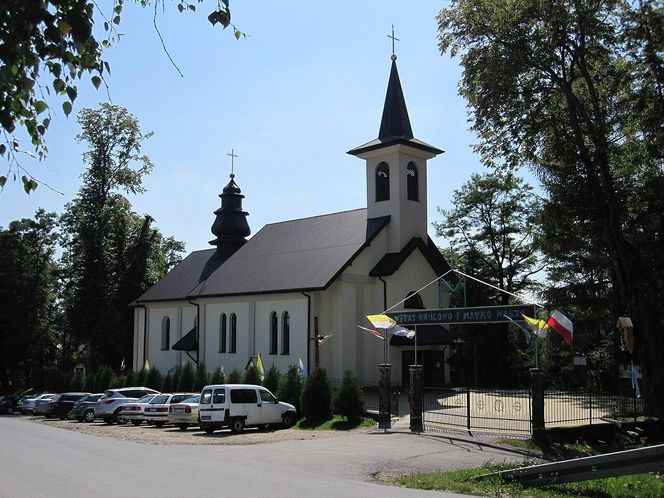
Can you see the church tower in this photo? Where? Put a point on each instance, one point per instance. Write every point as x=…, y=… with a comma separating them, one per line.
x=230, y=226
x=396, y=168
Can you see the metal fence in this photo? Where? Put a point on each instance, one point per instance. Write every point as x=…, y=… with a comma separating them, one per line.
x=587, y=407
x=509, y=410
x=495, y=410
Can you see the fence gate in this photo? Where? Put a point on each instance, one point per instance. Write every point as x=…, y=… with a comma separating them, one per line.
x=492, y=410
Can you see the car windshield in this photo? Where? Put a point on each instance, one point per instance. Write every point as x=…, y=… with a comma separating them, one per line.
x=145, y=398
x=46, y=396
x=90, y=397
x=158, y=400
x=193, y=399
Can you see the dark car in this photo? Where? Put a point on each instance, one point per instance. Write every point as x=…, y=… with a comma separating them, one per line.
x=83, y=410
x=61, y=405
x=8, y=404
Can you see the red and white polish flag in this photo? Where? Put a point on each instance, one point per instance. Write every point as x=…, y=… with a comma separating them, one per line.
x=562, y=325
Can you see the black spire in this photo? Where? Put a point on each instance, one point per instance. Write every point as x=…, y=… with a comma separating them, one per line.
x=230, y=225
x=395, y=122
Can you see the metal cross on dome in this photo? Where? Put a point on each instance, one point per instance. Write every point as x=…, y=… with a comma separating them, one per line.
x=394, y=38
x=233, y=156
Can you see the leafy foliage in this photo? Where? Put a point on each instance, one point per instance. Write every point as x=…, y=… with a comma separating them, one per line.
x=349, y=400
x=316, y=398
x=574, y=91
x=49, y=47
x=28, y=291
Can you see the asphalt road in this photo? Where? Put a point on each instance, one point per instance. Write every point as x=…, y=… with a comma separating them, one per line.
x=41, y=461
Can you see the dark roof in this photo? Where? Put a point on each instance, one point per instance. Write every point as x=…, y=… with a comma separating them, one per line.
x=297, y=255
x=395, y=122
x=395, y=125
x=391, y=262
x=188, y=342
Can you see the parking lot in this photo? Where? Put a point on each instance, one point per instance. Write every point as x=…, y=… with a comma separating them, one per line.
x=170, y=435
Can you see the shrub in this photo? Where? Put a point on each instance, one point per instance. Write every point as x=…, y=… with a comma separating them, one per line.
x=290, y=387
x=218, y=376
x=235, y=377
x=76, y=383
x=201, y=377
x=186, y=382
x=154, y=379
x=117, y=381
x=271, y=381
x=141, y=377
x=251, y=376
x=177, y=373
x=103, y=379
x=316, y=399
x=167, y=385
x=130, y=379
x=349, y=400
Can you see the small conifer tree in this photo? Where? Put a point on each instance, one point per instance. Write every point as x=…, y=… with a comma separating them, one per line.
x=141, y=377
x=218, y=376
x=186, y=381
x=316, y=399
x=271, y=381
x=201, y=377
x=290, y=387
x=177, y=373
x=130, y=378
x=154, y=379
x=251, y=376
x=103, y=379
x=76, y=382
x=349, y=400
x=235, y=377
x=167, y=385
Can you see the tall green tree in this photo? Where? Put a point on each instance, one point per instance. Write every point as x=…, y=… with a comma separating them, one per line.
x=575, y=91
x=494, y=232
x=28, y=292
x=111, y=254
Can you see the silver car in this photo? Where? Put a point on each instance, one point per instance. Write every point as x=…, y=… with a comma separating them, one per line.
x=157, y=410
x=109, y=405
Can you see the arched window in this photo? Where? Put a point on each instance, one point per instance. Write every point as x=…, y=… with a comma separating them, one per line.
x=413, y=301
x=165, y=333
x=222, y=333
x=274, y=333
x=232, y=347
x=285, y=333
x=382, y=182
x=411, y=182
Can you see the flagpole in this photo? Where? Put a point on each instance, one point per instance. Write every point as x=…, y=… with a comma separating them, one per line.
x=416, y=345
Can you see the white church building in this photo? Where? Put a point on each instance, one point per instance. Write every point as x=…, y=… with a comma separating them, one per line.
x=296, y=280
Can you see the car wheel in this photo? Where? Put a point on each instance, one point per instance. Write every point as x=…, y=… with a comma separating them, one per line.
x=183, y=427
x=88, y=416
x=209, y=430
x=159, y=424
x=237, y=425
x=288, y=419
x=109, y=420
x=136, y=422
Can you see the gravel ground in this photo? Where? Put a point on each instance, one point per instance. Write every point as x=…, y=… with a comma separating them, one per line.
x=170, y=435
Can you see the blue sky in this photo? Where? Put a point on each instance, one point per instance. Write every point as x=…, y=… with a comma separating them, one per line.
x=307, y=85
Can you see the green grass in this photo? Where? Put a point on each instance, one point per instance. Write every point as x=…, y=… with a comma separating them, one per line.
x=336, y=423
x=462, y=481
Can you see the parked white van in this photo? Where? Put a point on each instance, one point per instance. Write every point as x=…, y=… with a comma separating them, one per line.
x=240, y=405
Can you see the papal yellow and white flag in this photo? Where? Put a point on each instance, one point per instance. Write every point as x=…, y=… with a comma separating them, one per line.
x=146, y=365
x=381, y=321
x=536, y=326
